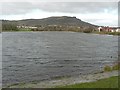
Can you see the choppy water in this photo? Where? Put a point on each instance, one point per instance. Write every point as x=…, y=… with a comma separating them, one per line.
x=37, y=56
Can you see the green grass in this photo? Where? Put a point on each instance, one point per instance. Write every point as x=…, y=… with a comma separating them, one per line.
x=116, y=66
x=19, y=30
x=104, y=83
x=109, y=33
x=107, y=68
x=24, y=29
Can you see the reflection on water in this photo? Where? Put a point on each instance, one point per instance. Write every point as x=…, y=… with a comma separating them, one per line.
x=37, y=56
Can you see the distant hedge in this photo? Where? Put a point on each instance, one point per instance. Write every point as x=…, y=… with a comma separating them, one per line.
x=88, y=30
x=9, y=27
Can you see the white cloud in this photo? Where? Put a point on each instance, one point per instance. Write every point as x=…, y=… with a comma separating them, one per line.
x=10, y=8
x=60, y=0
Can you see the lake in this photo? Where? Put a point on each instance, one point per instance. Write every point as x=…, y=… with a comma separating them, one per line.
x=38, y=56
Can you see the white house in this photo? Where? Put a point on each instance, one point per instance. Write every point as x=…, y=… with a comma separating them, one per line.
x=112, y=30
x=31, y=27
x=117, y=30
x=99, y=29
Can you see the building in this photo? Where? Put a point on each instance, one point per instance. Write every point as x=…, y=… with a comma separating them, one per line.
x=117, y=30
x=27, y=27
x=100, y=29
x=108, y=29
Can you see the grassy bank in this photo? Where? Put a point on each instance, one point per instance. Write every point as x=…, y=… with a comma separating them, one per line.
x=94, y=32
x=102, y=80
x=111, y=82
x=108, y=33
x=18, y=30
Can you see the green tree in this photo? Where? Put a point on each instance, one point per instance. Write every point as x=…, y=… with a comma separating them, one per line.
x=9, y=27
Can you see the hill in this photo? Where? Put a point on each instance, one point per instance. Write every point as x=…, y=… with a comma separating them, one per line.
x=62, y=20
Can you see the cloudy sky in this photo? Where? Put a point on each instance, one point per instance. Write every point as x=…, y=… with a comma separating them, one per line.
x=99, y=13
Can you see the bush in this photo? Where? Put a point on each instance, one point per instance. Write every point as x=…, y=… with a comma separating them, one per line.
x=107, y=69
x=116, y=67
x=88, y=30
x=9, y=27
x=114, y=33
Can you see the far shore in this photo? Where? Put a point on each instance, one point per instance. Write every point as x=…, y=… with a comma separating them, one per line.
x=99, y=33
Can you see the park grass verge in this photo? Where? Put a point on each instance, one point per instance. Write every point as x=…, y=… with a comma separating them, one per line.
x=111, y=82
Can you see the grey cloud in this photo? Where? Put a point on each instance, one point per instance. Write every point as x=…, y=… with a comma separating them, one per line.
x=64, y=7
x=16, y=8
x=78, y=7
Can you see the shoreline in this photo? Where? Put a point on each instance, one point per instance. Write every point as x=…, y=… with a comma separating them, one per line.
x=67, y=81
x=97, y=33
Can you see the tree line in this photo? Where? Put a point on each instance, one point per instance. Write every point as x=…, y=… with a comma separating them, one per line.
x=65, y=28
x=9, y=26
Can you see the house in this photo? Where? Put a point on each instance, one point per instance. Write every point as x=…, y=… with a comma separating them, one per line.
x=117, y=30
x=108, y=29
x=112, y=29
x=100, y=29
x=27, y=27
